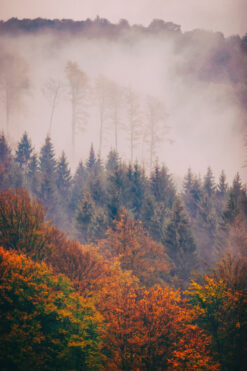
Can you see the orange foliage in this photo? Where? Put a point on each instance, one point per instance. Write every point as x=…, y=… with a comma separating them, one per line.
x=136, y=250
x=81, y=263
x=151, y=330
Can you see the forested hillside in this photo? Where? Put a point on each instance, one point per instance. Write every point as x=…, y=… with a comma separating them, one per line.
x=112, y=268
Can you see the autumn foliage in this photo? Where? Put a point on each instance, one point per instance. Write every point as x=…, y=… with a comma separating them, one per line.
x=70, y=306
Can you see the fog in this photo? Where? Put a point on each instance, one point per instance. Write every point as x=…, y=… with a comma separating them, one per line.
x=204, y=105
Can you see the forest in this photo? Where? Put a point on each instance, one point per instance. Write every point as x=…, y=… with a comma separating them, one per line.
x=123, y=245
x=111, y=268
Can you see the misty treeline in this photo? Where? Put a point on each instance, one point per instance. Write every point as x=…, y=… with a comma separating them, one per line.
x=117, y=109
x=123, y=96
x=141, y=277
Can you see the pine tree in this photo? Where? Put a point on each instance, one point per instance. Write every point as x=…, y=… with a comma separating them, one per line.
x=5, y=162
x=91, y=159
x=222, y=185
x=63, y=178
x=33, y=176
x=162, y=187
x=208, y=183
x=23, y=152
x=78, y=182
x=180, y=244
x=48, y=189
x=136, y=189
x=112, y=161
x=221, y=193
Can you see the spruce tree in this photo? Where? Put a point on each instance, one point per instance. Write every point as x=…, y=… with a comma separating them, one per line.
x=78, y=183
x=112, y=161
x=91, y=159
x=162, y=186
x=63, y=178
x=33, y=175
x=180, y=244
x=208, y=183
x=5, y=162
x=23, y=152
x=48, y=177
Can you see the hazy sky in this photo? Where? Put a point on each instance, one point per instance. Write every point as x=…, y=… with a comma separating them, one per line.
x=228, y=16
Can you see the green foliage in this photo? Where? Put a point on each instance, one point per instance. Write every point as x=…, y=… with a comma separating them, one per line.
x=220, y=298
x=44, y=325
x=180, y=244
x=22, y=223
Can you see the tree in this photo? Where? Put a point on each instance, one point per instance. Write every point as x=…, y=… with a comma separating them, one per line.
x=23, y=156
x=180, y=244
x=112, y=161
x=162, y=186
x=63, y=178
x=33, y=176
x=52, y=91
x=14, y=83
x=219, y=298
x=77, y=185
x=133, y=120
x=44, y=324
x=79, y=86
x=24, y=151
x=137, y=252
x=208, y=183
x=156, y=129
x=5, y=162
x=102, y=90
x=116, y=101
x=91, y=162
x=48, y=176
x=22, y=223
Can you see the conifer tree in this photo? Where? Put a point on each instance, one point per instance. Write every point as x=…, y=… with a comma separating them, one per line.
x=91, y=159
x=222, y=185
x=48, y=176
x=180, y=243
x=112, y=161
x=77, y=186
x=63, y=177
x=162, y=187
x=5, y=162
x=23, y=152
x=208, y=183
x=33, y=175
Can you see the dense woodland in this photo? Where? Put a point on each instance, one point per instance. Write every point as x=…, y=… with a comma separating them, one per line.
x=113, y=268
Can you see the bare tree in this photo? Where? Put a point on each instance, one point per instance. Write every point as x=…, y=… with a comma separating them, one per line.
x=116, y=100
x=102, y=96
x=14, y=84
x=52, y=91
x=134, y=123
x=156, y=128
x=78, y=88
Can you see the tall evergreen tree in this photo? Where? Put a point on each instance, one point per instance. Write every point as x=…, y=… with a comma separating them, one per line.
x=5, y=162
x=63, y=178
x=23, y=152
x=112, y=161
x=162, y=187
x=78, y=183
x=208, y=183
x=33, y=175
x=180, y=244
x=48, y=177
x=91, y=159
